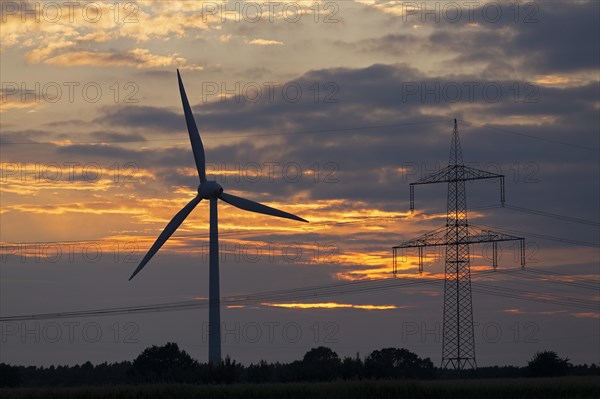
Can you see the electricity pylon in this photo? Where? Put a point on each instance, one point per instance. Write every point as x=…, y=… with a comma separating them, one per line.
x=458, y=345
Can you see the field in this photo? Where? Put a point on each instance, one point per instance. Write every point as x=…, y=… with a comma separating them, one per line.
x=542, y=388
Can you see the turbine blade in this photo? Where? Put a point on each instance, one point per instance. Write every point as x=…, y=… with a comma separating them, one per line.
x=252, y=206
x=167, y=232
x=197, y=146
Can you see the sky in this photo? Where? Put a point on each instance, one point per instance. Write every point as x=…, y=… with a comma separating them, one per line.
x=325, y=109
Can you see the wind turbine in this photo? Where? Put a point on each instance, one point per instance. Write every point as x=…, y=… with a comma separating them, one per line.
x=208, y=190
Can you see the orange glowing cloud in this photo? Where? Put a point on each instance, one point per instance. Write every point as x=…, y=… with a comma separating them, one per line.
x=557, y=80
x=519, y=311
x=365, y=273
x=265, y=42
x=330, y=305
x=139, y=58
x=586, y=315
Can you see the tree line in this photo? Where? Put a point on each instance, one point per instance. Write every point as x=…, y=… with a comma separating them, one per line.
x=170, y=364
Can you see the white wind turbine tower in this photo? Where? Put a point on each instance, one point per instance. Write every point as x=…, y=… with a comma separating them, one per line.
x=209, y=190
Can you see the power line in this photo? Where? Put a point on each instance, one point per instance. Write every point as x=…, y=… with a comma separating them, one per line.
x=555, y=273
x=321, y=224
x=540, y=295
x=501, y=130
x=552, y=215
x=301, y=293
x=332, y=289
x=509, y=294
x=221, y=137
x=538, y=212
x=8, y=244
x=545, y=237
x=569, y=283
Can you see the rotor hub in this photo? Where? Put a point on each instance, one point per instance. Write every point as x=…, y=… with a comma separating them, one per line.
x=210, y=189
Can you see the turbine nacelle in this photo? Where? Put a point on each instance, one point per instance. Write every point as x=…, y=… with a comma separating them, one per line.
x=210, y=189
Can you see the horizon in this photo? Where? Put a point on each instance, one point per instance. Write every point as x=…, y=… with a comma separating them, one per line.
x=360, y=356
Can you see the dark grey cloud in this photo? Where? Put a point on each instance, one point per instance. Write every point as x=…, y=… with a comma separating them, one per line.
x=141, y=117
x=91, y=151
x=550, y=37
x=372, y=165
x=63, y=123
x=114, y=136
x=265, y=133
x=564, y=40
x=536, y=37
x=394, y=44
x=22, y=136
x=368, y=160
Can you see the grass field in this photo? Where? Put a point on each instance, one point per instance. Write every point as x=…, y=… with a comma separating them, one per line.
x=543, y=388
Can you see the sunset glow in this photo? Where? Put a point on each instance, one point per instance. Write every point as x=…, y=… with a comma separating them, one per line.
x=326, y=110
x=330, y=305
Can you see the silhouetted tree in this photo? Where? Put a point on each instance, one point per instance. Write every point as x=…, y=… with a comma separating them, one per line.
x=397, y=363
x=352, y=368
x=226, y=372
x=170, y=364
x=320, y=364
x=164, y=364
x=547, y=364
x=9, y=376
x=261, y=372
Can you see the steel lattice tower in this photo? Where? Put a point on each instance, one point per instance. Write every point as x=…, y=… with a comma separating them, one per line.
x=458, y=339
x=458, y=347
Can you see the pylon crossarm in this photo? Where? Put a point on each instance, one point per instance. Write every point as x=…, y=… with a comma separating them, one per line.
x=491, y=237
x=487, y=235
x=435, y=177
x=476, y=174
x=436, y=237
x=454, y=173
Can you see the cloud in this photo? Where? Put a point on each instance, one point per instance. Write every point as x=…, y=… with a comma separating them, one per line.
x=330, y=305
x=385, y=6
x=230, y=38
x=393, y=44
x=13, y=97
x=155, y=118
x=541, y=38
x=241, y=133
x=550, y=43
x=586, y=315
x=265, y=42
x=138, y=58
x=98, y=208
x=12, y=104
x=574, y=45
x=101, y=22
x=75, y=37
x=118, y=137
